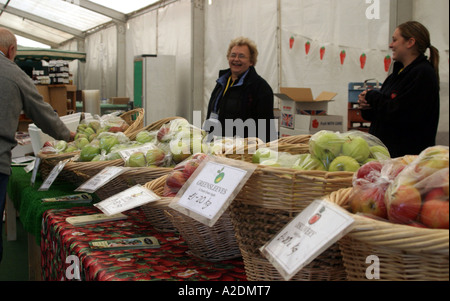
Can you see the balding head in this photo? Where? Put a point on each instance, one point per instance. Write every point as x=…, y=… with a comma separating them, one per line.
x=8, y=43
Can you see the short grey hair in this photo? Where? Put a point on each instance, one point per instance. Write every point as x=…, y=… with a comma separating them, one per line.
x=7, y=38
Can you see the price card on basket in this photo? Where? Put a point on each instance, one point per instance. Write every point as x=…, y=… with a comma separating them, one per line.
x=128, y=199
x=310, y=233
x=53, y=175
x=100, y=179
x=210, y=189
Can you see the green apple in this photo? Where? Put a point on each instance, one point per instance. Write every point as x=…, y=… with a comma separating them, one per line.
x=137, y=159
x=270, y=162
x=356, y=147
x=107, y=142
x=325, y=146
x=180, y=150
x=88, y=152
x=145, y=137
x=308, y=162
x=70, y=148
x=263, y=154
x=88, y=131
x=344, y=163
x=95, y=125
x=79, y=135
x=379, y=152
x=61, y=145
x=155, y=157
x=81, y=142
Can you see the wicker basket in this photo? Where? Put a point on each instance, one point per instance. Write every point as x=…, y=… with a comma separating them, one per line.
x=49, y=161
x=215, y=243
x=404, y=252
x=153, y=126
x=271, y=198
x=298, y=139
x=83, y=171
x=135, y=120
x=131, y=177
x=155, y=211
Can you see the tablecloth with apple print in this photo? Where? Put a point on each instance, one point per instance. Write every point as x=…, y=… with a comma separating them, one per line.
x=171, y=261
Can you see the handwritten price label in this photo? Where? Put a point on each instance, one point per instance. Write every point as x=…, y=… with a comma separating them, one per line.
x=100, y=179
x=313, y=231
x=131, y=198
x=212, y=189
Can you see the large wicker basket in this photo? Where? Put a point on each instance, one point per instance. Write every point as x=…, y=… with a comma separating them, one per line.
x=83, y=171
x=215, y=243
x=134, y=118
x=155, y=212
x=404, y=252
x=271, y=198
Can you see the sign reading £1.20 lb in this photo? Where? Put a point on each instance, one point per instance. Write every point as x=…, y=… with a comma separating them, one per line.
x=210, y=190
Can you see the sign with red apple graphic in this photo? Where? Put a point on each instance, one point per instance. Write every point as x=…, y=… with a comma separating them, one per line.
x=310, y=233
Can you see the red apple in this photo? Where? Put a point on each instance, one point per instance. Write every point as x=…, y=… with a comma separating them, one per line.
x=436, y=194
x=162, y=132
x=48, y=144
x=190, y=166
x=403, y=203
x=369, y=172
x=115, y=129
x=434, y=214
x=176, y=179
x=369, y=201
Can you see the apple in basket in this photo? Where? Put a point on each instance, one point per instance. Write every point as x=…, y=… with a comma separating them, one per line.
x=176, y=179
x=403, y=203
x=369, y=200
x=368, y=173
x=434, y=214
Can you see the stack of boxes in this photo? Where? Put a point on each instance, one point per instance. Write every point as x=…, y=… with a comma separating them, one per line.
x=301, y=114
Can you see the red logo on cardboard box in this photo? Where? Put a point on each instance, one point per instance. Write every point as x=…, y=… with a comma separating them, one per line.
x=315, y=124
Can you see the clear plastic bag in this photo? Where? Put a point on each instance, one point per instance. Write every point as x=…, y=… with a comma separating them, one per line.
x=346, y=151
x=412, y=190
x=181, y=173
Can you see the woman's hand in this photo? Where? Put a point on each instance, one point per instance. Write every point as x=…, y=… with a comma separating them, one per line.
x=362, y=100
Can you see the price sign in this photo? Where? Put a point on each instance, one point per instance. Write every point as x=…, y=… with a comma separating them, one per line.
x=53, y=175
x=211, y=188
x=313, y=231
x=128, y=199
x=100, y=179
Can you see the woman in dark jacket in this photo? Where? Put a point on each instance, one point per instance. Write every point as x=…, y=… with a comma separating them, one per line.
x=404, y=114
x=241, y=104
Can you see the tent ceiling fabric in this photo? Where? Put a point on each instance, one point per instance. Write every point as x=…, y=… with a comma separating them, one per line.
x=49, y=54
x=54, y=22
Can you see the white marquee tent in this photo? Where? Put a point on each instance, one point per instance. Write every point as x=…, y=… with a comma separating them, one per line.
x=197, y=33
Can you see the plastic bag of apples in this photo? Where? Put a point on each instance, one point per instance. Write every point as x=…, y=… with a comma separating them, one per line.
x=412, y=190
x=181, y=173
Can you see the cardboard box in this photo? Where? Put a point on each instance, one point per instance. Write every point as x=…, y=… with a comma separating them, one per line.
x=314, y=124
x=301, y=101
x=120, y=100
x=284, y=132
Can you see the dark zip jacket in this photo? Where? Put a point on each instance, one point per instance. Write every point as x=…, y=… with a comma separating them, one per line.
x=404, y=114
x=250, y=99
